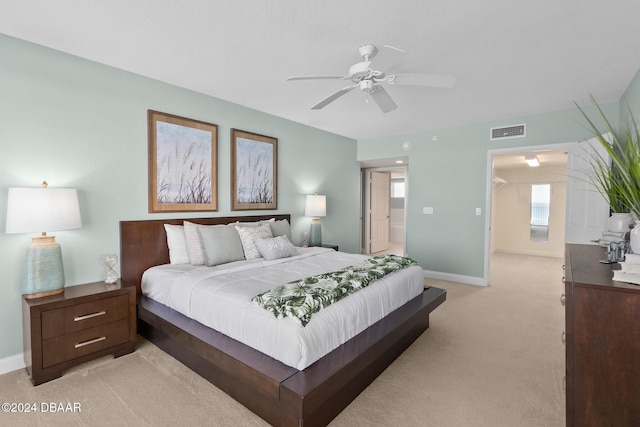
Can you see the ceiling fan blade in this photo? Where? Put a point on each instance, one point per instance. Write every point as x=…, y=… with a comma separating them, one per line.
x=315, y=78
x=383, y=99
x=431, y=80
x=386, y=58
x=333, y=97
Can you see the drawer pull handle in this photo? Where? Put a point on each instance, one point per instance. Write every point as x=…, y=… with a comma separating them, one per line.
x=89, y=316
x=93, y=341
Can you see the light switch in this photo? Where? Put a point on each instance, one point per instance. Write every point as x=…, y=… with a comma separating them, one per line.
x=427, y=211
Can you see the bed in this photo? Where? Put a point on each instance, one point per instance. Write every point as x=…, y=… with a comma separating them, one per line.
x=281, y=394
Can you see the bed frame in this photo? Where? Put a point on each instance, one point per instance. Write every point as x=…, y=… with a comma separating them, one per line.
x=281, y=395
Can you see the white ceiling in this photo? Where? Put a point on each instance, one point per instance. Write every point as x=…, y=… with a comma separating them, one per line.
x=511, y=58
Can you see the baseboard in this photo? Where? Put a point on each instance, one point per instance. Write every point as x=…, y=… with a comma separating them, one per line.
x=459, y=278
x=530, y=252
x=12, y=363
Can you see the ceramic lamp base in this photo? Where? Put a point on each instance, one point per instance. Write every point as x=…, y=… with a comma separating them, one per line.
x=315, y=233
x=43, y=274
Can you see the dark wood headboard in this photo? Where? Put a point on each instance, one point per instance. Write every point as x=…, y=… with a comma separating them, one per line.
x=143, y=243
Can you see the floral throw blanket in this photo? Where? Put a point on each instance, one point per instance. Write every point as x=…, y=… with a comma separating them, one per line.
x=302, y=298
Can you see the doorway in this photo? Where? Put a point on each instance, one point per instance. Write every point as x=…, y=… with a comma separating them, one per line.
x=384, y=199
x=526, y=203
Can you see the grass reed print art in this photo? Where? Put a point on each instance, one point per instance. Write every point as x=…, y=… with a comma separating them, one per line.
x=253, y=170
x=182, y=164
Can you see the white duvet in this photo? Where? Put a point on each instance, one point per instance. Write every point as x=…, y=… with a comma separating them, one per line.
x=220, y=298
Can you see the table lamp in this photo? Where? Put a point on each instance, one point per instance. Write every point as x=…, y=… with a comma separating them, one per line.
x=315, y=207
x=31, y=210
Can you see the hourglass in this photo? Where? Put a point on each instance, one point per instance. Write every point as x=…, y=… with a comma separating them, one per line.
x=110, y=261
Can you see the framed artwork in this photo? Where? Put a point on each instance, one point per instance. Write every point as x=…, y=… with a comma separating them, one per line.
x=183, y=164
x=254, y=171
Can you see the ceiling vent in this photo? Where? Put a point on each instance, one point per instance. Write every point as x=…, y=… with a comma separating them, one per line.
x=506, y=132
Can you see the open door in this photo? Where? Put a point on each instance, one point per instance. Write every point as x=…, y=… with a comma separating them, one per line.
x=587, y=211
x=377, y=205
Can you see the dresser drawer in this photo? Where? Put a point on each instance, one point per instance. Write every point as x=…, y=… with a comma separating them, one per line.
x=66, y=320
x=70, y=346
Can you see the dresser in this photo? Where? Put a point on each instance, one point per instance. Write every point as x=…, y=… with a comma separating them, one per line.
x=602, y=342
x=83, y=323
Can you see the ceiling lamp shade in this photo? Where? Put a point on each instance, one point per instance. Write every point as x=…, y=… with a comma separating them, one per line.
x=38, y=210
x=315, y=207
x=532, y=161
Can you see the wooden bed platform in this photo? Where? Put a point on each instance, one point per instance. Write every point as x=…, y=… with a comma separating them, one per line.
x=281, y=395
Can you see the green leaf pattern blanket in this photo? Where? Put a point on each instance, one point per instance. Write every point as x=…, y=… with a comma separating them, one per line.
x=301, y=298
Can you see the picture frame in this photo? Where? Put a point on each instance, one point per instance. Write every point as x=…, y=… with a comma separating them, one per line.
x=183, y=164
x=254, y=171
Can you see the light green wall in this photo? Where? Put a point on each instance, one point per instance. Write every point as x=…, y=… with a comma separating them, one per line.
x=79, y=124
x=448, y=171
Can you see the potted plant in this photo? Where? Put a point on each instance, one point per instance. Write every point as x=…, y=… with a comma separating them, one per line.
x=616, y=175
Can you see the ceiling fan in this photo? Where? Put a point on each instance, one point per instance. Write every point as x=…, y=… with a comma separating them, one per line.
x=370, y=75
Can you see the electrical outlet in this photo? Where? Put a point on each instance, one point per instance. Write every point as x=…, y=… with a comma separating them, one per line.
x=427, y=211
x=478, y=211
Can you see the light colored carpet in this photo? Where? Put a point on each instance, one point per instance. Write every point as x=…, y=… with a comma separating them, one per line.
x=492, y=357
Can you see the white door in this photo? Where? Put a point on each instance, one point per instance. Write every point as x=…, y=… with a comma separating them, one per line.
x=587, y=211
x=379, y=211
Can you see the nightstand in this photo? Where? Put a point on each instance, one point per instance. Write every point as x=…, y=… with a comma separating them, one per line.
x=83, y=323
x=322, y=245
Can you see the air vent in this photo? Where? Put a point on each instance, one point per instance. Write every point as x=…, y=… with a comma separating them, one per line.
x=514, y=131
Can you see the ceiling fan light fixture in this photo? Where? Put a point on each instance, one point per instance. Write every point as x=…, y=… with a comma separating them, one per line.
x=366, y=85
x=371, y=74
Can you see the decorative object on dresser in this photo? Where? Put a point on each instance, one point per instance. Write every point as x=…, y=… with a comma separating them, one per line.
x=110, y=261
x=629, y=269
x=315, y=207
x=83, y=323
x=277, y=392
x=254, y=171
x=44, y=209
x=183, y=164
x=602, y=342
x=620, y=222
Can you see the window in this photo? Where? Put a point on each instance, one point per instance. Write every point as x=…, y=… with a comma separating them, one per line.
x=397, y=188
x=540, y=203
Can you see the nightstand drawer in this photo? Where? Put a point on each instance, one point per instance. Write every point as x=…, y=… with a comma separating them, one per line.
x=70, y=346
x=65, y=320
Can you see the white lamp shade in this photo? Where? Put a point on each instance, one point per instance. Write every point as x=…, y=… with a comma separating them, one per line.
x=316, y=205
x=32, y=210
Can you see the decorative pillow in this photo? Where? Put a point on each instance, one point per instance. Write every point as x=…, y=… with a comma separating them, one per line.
x=221, y=244
x=246, y=224
x=177, y=244
x=279, y=228
x=194, y=246
x=275, y=247
x=248, y=234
